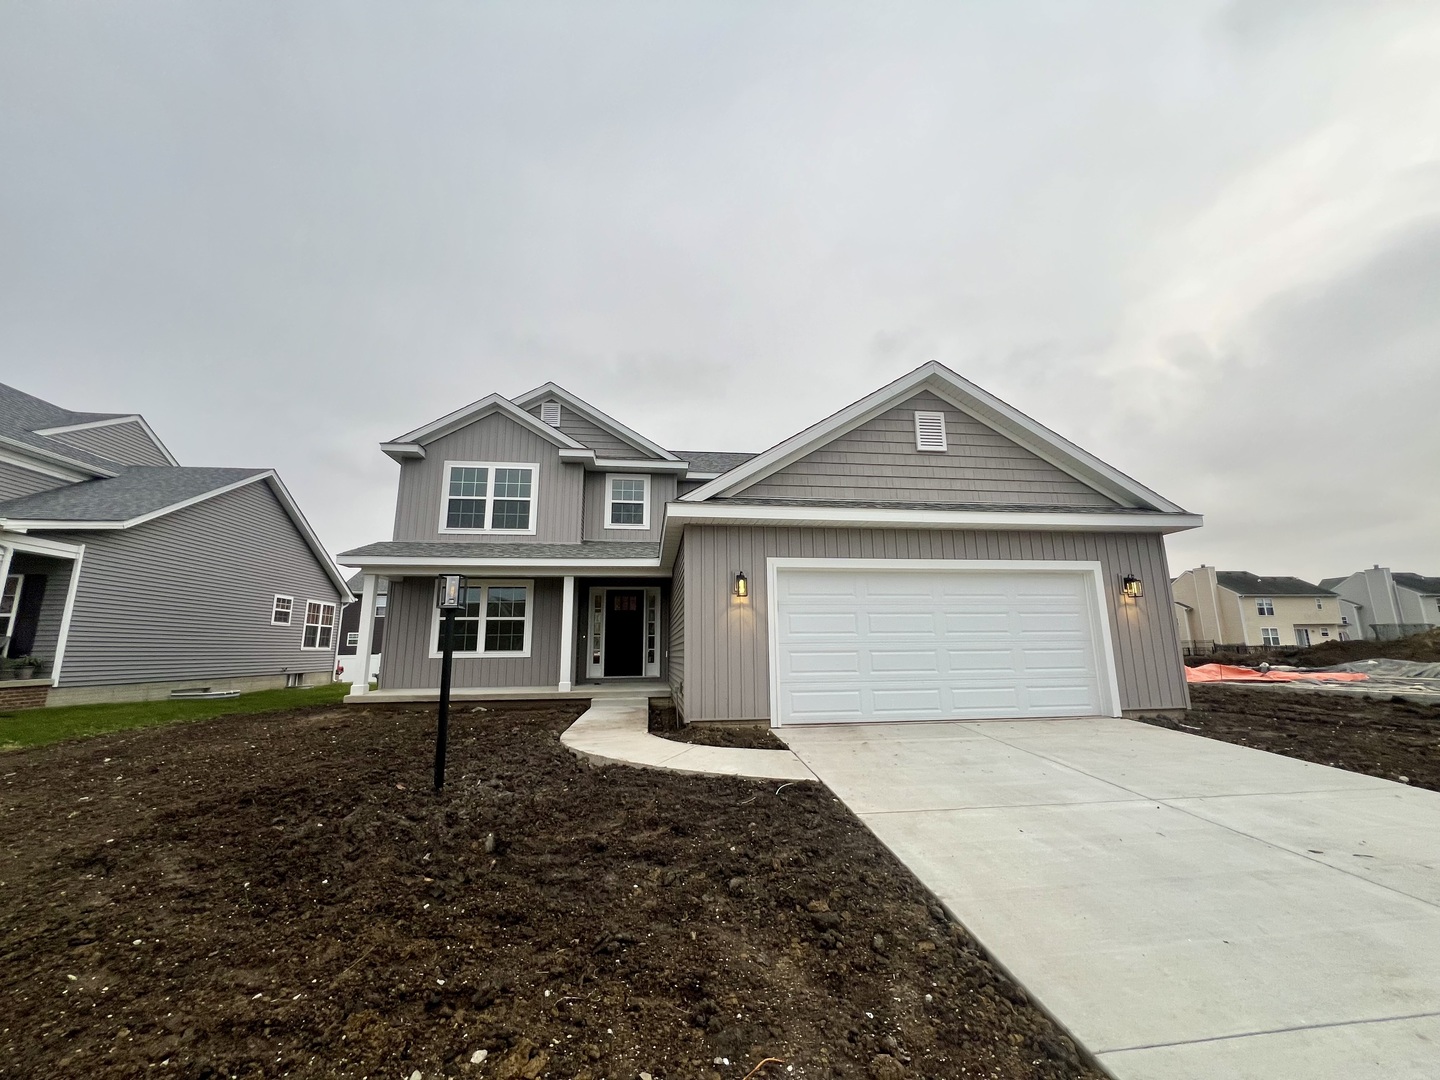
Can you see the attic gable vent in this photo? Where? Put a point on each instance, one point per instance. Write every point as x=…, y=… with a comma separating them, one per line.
x=930, y=431
x=550, y=413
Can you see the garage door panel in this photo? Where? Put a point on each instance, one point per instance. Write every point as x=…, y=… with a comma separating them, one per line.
x=857, y=645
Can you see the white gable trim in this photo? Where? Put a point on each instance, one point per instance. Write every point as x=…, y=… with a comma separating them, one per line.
x=407, y=445
x=87, y=470
x=55, y=472
x=595, y=416
x=135, y=419
x=968, y=398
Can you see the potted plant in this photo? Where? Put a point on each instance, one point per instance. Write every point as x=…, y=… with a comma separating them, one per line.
x=25, y=666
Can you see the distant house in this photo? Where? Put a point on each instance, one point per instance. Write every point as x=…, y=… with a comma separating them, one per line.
x=1235, y=607
x=350, y=630
x=1388, y=605
x=128, y=576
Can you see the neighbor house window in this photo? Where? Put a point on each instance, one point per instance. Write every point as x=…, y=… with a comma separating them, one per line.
x=1265, y=606
x=9, y=606
x=627, y=502
x=282, y=611
x=319, y=625
x=482, y=496
x=493, y=620
x=352, y=639
x=1320, y=604
x=1269, y=635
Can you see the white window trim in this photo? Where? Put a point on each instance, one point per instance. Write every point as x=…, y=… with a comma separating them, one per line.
x=610, y=479
x=921, y=416
x=528, y=584
x=1269, y=630
x=534, y=468
x=305, y=622
x=595, y=667
x=7, y=622
x=275, y=610
x=1261, y=603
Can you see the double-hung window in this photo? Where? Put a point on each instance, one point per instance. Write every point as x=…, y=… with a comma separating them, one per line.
x=1270, y=635
x=493, y=620
x=319, y=625
x=488, y=496
x=282, y=610
x=627, y=501
x=1264, y=606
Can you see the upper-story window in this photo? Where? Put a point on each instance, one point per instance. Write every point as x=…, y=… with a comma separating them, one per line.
x=1264, y=605
x=489, y=496
x=1320, y=604
x=627, y=501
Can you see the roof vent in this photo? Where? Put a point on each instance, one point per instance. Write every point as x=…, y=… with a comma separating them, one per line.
x=930, y=431
x=550, y=413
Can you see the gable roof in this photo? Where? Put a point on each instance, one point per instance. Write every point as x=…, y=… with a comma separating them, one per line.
x=1430, y=586
x=1244, y=583
x=412, y=443
x=1330, y=582
x=601, y=420
x=141, y=493
x=968, y=398
x=23, y=416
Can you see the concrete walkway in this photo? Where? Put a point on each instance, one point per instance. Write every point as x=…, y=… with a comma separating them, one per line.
x=1189, y=909
x=615, y=731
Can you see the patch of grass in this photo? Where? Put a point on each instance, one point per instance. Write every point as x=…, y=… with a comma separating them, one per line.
x=37, y=727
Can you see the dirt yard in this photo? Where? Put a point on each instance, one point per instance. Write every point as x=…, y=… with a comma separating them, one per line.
x=748, y=736
x=284, y=896
x=1386, y=737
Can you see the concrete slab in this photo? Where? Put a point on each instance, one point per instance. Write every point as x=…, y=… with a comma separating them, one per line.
x=1185, y=907
x=616, y=731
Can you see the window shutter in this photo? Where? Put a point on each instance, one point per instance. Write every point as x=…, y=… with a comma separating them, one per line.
x=930, y=431
x=550, y=413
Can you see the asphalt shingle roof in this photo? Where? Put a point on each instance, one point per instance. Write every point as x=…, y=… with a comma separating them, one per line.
x=22, y=414
x=1418, y=582
x=1244, y=583
x=708, y=461
x=586, y=549
x=138, y=490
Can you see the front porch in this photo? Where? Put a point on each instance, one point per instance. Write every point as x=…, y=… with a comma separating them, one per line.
x=39, y=579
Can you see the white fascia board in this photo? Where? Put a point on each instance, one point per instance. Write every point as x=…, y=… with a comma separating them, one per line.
x=89, y=472
x=638, y=465
x=55, y=472
x=402, y=451
x=39, y=545
x=135, y=418
x=872, y=517
x=583, y=457
x=962, y=394
x=702, y=475
x=401, y=566
x=477, y=410
x=601, y=420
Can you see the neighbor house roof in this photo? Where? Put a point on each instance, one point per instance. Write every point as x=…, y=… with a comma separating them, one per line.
x=1329, y=583
x=1244, y=583
x=138, y=490
x=1428, y=585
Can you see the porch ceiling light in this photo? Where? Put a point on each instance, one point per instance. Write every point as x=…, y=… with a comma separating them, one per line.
x=1132, y=588
x=742, y=586
x=450, y=588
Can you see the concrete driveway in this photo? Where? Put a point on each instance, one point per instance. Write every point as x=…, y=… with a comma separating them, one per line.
x=1187, y=908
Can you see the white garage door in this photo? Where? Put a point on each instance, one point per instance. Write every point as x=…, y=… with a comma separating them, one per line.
x=868, y=645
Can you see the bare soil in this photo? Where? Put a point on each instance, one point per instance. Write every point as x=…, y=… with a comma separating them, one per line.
x=1387, y=737
x=665, y=722
x=1421, y=648
x=283, y=895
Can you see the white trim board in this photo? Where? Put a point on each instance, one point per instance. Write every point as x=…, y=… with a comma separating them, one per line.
x=63, y=640
x=52, y=471
x=603, y=421
x=412, y=443
x=1093, y=571
x=87, y=471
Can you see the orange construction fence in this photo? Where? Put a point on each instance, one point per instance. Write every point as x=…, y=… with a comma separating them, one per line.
x=1207, y=673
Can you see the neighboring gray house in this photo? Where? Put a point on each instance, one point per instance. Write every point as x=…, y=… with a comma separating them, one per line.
x=129, y=576
x=1387, y=605
x=927, y=552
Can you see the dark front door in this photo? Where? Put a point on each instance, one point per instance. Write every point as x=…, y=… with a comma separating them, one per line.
x=625, y=632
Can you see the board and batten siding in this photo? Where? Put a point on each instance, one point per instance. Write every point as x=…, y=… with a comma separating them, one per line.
x=188, y=596
x=677, y=632
x=16, y=480
x=662, y=491
x=557, y=486
x=588, y=434
x=128, y=444
x=878, y=462
x=410, y=629
x=726, y=675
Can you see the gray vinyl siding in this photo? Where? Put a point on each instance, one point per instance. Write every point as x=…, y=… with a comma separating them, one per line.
x=677, y=632
x=188, y=596
x=410, y=632
x=56, y=574
x=558, y=486
x=878, y=462
x=127, y=444
x=684, y=487
x=596, y=438
x=728, y=640
x=16, y=480
x=662, y=491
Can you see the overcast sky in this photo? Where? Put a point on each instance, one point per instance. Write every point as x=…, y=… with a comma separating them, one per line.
x=1200, y=239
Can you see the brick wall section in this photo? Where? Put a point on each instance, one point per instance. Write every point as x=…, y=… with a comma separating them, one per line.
x=23, y=697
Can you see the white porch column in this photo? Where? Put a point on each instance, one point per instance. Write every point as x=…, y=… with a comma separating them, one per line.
x=567, y=635
x=363, y=659
x=7, y=554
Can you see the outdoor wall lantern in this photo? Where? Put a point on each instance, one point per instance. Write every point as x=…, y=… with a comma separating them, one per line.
x=1131, y=588
x=742, y=587
x=449, y=597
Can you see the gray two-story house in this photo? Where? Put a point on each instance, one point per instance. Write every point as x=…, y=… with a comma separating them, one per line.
x=128, y=576
x=928, y=552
